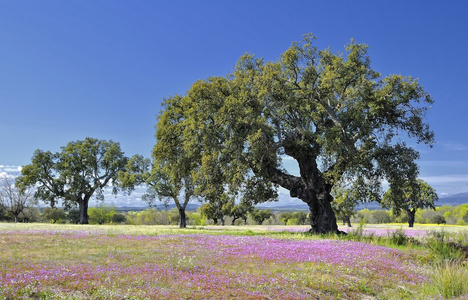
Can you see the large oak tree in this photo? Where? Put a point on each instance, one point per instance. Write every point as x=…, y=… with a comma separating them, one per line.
x=331, y=113
x=82, y=169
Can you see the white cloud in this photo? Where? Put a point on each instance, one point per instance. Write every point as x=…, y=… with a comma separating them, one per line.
x=457, y=178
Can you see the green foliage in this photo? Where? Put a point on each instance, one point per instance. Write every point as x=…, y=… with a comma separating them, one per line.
x=374, y=216
x=410, y=197
x=153, y=217
x=101, y=214
x=398, y=237
x=118, y=218
x=74, y=216
x=345, y=200
x=442, y=249
x=332, y=113
x=53, y=214
x=260, y=215
x=82, y=169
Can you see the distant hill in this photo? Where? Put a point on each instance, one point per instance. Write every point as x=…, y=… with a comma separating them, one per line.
x=190, y=207
x=453, y=200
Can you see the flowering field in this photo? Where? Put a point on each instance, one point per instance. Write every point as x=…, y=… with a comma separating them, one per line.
x=122, y=262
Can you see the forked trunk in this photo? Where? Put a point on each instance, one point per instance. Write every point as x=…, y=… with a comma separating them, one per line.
x=83, y=206
x=411, y=214
x=183, y=218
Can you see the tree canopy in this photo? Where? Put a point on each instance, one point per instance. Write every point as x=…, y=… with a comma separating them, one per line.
x=82, y=169
x=409, y=198
x=331, y=113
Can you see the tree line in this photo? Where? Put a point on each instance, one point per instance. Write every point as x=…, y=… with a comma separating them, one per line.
x=104, y=214
x=228, y=139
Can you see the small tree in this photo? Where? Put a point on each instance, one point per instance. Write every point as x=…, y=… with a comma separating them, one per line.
x=240, y=211
x=414, y=195
x=285, y=216
x=344, y=204
x=53, y=214
x=212, y=211
x=260, y=215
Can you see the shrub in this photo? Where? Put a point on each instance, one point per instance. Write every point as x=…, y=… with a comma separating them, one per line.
x=398, y=237
x=438, y=219
x=118, y=218
x=74, y=216
x=379, y=217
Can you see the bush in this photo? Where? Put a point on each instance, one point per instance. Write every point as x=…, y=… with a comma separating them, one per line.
x=101, y=214
x=74, y=216
x=438, y=219
x=399, y=237
x=118, y=218
x=379, y=217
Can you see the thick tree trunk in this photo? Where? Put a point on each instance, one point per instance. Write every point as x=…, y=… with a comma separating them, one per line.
x=310, y=186
x=348, y=219
x=222, y=221
x=183, y=218
x=322, y=217
x=411, y=214
x=83, y=206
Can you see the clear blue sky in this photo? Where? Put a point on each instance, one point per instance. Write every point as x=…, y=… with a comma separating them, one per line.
x=73, y=69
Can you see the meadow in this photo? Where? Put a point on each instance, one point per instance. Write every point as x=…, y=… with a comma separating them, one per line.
x=47, y=261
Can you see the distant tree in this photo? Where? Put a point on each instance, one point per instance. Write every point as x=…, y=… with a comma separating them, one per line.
x=211, y=211
x=413, y=195
x=260, y=215
x=13, y=200
x=240, y=211
x=82, y=169
x=344, y=204
x=53, y=214
x=301, y=217
x=30, y=214
x=169, y=175
x=285, y=216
